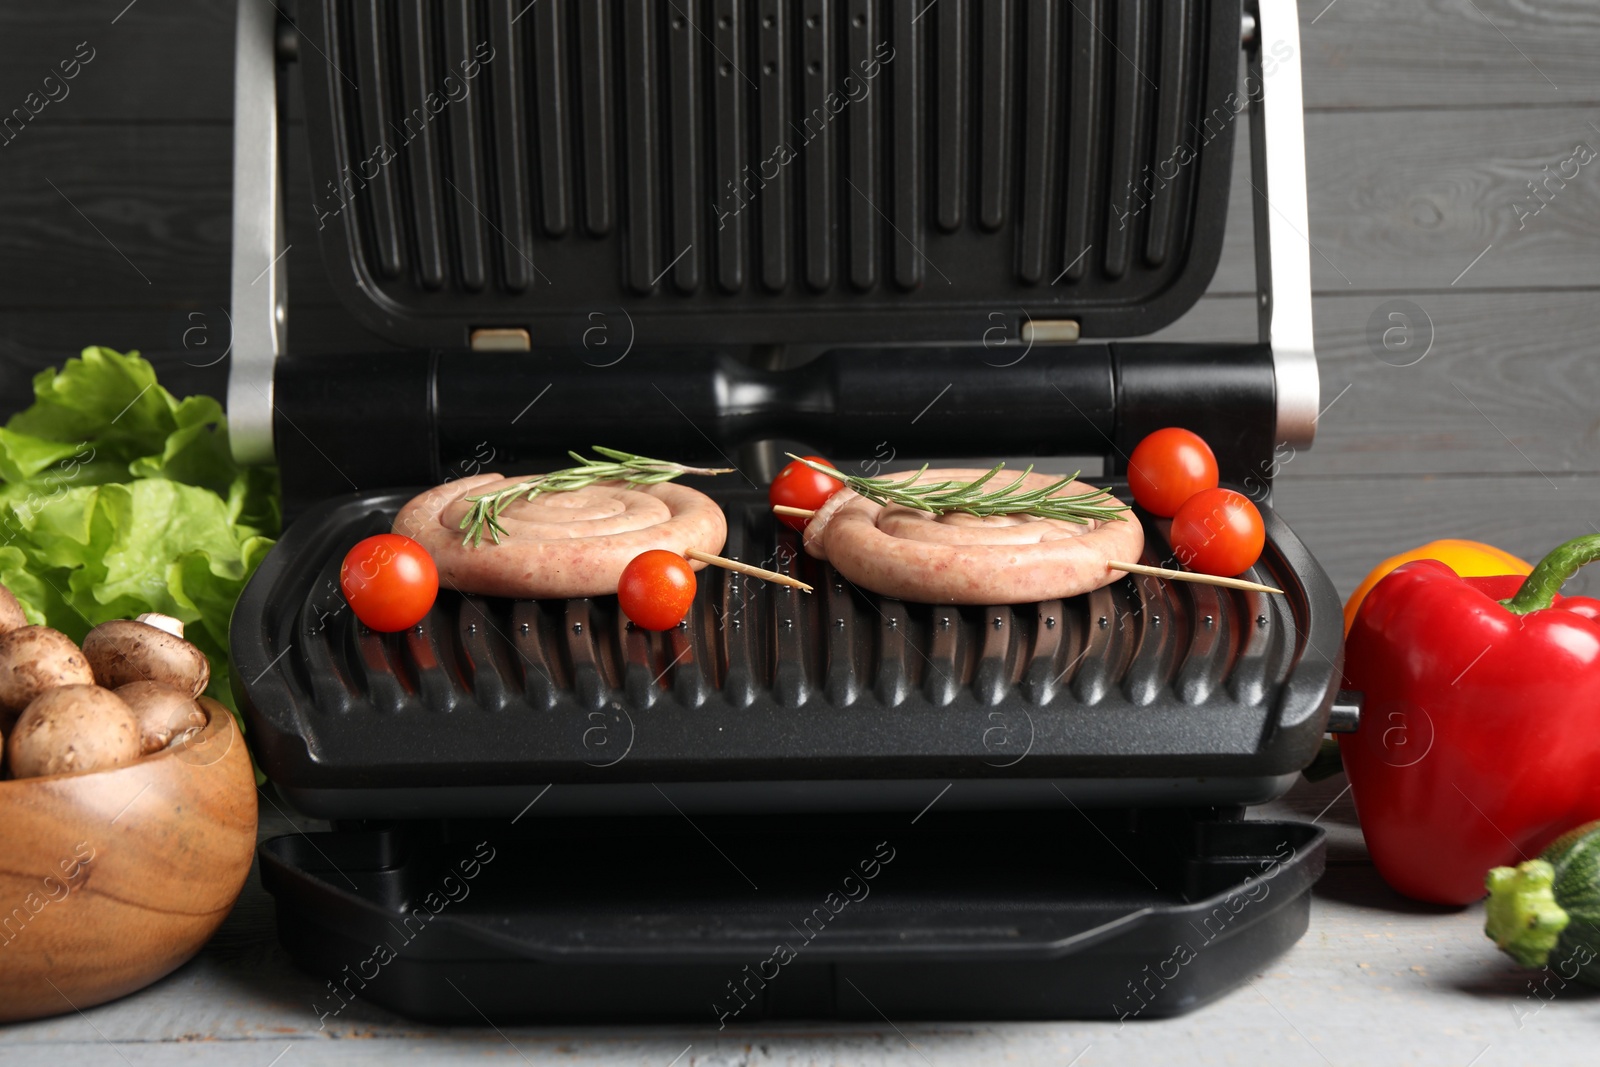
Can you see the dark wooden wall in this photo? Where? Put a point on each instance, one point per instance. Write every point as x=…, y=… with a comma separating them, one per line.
x=1425, y=120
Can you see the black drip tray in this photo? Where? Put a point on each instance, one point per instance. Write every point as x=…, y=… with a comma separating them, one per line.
x=1145, y=682
x=735, y=919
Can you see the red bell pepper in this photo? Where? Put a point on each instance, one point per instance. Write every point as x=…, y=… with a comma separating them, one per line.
x=1479, y=741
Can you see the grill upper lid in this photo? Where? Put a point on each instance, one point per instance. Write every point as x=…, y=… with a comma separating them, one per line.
x=817, y=171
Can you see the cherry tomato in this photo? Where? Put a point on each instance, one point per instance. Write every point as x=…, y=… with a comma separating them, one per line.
x=390, y=582
x=656, y=589
x=798, y=486
x=1169, y=467
x=1218, y=531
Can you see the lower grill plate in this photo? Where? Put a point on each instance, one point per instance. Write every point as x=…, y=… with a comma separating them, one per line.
x=1147, y=691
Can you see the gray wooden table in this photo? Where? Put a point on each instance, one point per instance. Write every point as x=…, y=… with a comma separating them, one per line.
x=1376, y=980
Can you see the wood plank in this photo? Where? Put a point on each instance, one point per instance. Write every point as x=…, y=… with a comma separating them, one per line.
x=155, y=222
x=1407, y=200
x=1402, y=200
x=1447, y=53
x=1353, y=523
x=147, y=62
x=116, y=214
x=1509, y=385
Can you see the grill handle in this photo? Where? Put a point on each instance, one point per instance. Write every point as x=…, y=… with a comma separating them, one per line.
x=396, y=419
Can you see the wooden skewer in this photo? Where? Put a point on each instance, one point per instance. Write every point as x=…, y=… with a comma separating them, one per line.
x=1190, y=576
x=745, y=568
x=1135, y=568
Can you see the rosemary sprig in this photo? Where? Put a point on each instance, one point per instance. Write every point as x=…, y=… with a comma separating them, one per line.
x=940, y=498
x=484, y=514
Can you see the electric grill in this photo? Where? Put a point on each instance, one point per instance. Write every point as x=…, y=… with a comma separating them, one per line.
x=695, y=229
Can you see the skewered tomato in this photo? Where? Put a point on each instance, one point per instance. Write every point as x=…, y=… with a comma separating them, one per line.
x=798, y=486
x=656, y=589
x=1218, y=531
x=1168, y=467
x=390, y=582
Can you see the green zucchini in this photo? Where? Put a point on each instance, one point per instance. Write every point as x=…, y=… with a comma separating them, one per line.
x=1547, y=911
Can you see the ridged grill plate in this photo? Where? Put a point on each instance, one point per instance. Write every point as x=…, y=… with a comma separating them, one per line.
x=1142, y=679
x=820, y=171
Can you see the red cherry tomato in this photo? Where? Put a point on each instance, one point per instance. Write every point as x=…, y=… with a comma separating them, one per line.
x=656, y=589
x=1169, y=467
x=390, y=582
x=1218, y=531
x=798, y=486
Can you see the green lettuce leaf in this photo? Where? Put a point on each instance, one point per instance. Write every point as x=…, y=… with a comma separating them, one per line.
x=117, y=498
x=23, y=456
x=104, y=398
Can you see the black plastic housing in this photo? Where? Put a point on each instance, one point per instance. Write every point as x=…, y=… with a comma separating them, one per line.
x=369, y=422
x=1020, y=916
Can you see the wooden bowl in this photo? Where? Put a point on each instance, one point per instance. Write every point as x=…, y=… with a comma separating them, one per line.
x=111, y=879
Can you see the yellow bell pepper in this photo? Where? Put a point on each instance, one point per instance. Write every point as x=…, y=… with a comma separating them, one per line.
x=1470, y=559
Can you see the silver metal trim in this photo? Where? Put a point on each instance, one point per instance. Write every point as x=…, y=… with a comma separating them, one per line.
x=1344, y=717
x=259, y=274
x=1282, y=226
